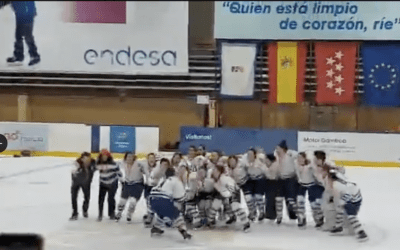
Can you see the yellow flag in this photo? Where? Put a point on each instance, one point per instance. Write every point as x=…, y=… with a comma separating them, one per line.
x=287, y=72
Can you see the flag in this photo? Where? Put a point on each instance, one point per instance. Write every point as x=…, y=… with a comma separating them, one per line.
x=287, y=67
x=381, y=65
x=238, y=69
x=96, y=12
x=336, y=68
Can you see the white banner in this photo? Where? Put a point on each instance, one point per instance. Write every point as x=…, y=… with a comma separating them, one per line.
x=238, y=69
x=125, y=37
x=298, y=20
x=22, y=136
x=352, y=146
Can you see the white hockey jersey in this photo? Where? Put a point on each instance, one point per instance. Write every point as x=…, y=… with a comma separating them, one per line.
x=255, y=170
x=287, y=164
x=272, y=172
x=156, y=175
x=345, y=192
x=134, y=173
x=226, y=186
x=170, y=188
x=240, y=175
x=305, y=175
x=148, y=168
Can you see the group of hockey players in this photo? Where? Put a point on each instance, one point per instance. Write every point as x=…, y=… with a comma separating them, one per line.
x=194, y=190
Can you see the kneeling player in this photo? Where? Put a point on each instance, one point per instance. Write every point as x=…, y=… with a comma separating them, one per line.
x=166, y=201
x=347, y=199
x=226, y=188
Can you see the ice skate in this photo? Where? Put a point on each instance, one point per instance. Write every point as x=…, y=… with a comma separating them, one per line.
x=261, y=217
x=118, y=216
x=362, y=236
x=185, y=234
x=336, y=231
x=231, y=220
x=100, y=218
x=128, y=219
x=15, y=61
x=319, y=223
x=278, y=220
x=302, y=223
x=211, y=224
x=155, y=231
x=35, y=60
x=73, y=217
x=85, y=214
x=246, y=227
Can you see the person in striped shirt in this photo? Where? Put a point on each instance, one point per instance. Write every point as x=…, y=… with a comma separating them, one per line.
x=110, y=174
x=132, y=184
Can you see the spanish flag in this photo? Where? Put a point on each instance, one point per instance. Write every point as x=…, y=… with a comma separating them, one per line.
x=287, y=68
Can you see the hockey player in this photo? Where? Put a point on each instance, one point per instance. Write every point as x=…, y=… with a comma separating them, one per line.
x=157, y=175
x=347, y=199
x=205, y=191
x=190, y=159
x=289, y=184
x=132, y=184
x=255, y=186
x=272, y=186
x=150, y=163
x=166, y=201
x=201, y=151
x=226, y=189
x=110, y=174
x=307, y=182
x=82, y=176
x=321, y=168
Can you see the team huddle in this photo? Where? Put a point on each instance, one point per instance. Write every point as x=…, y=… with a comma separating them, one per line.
x=196, y=190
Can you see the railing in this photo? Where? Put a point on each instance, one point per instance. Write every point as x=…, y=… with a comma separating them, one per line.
x=204, y=77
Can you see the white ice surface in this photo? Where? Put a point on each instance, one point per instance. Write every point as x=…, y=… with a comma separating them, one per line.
x=35, y=198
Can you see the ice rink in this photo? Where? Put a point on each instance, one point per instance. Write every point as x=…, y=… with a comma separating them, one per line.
x=35, y=198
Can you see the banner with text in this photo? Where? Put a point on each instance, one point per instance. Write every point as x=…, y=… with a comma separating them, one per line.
x=238, y=69
x=33, y=137
x=95, y=37
x=296, y=20
x=235, y=141
x=122, y=139
x=365, y=147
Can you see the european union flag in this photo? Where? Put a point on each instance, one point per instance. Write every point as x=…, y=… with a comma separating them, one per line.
x=381, y=64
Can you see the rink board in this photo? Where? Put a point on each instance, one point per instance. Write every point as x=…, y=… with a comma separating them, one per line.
x=70, y=140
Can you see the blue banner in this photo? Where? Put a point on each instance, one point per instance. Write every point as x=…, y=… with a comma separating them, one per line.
x=235, y=141
x=381, y=68
x=122, y=139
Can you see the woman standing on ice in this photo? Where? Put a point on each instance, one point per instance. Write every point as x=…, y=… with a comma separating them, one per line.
x=82, y=176
x=288, y=181
x=132, y=184
x=109, y=176
x=308, y=184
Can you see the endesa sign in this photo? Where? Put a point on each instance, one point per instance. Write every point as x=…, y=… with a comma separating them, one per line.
x=101, y=37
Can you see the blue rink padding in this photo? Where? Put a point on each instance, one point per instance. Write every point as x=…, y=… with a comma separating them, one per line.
x=95, y=139
x=235, y=141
